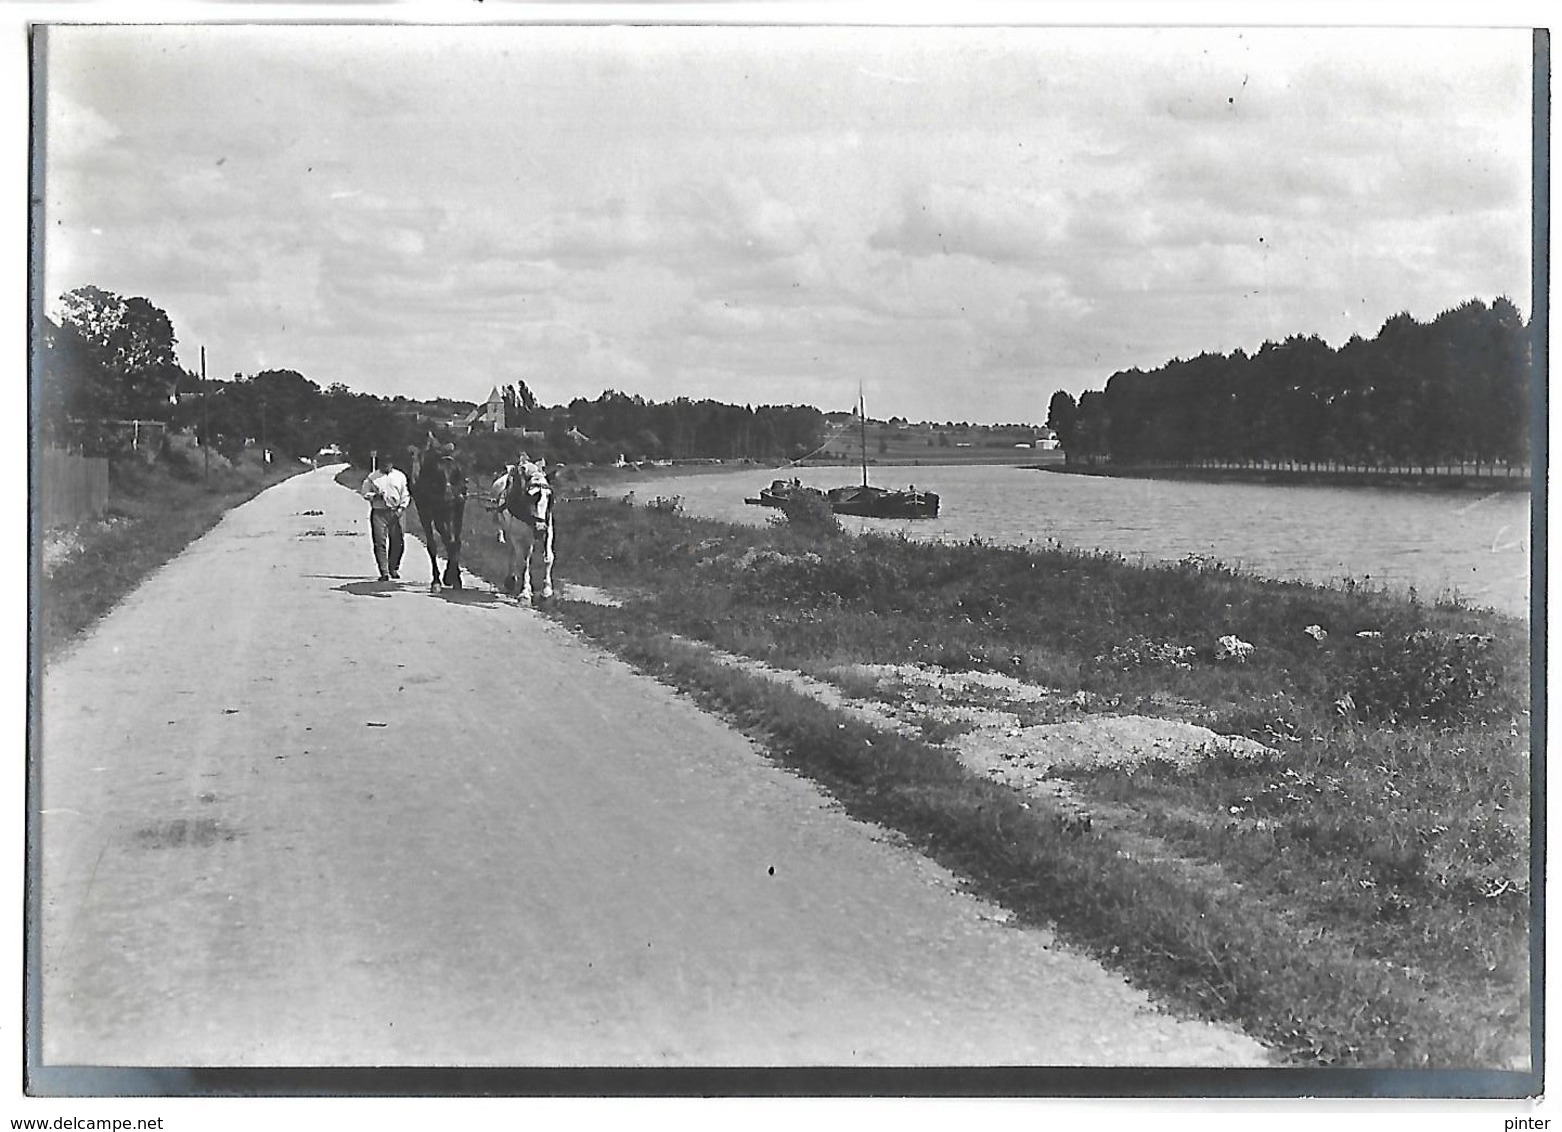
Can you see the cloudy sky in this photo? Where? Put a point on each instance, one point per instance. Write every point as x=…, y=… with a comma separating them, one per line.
x=962, y=219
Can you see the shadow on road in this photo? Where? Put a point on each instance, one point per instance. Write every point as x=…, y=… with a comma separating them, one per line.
x=471, y=597
x=369, y=588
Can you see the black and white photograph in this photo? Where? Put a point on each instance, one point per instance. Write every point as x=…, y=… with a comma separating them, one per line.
x=587, y=557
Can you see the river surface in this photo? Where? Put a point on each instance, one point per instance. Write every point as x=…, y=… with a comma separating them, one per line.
x=1471, y=544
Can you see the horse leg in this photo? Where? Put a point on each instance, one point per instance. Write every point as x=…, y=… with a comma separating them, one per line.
x=525, y=556
x=519, y=545
x=442, y=529
x=453, y=548
x=504, y=540
x=547, y=560
x=428, y=544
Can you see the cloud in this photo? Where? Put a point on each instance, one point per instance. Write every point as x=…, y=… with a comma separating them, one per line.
x=734, y=212
x=984, y=223
x=74, y=130
x=726, y=223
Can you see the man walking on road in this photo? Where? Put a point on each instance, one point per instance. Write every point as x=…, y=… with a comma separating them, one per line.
x=388, y=495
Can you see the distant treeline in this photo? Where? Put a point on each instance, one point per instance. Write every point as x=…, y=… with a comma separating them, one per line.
x=1454, y=392
x=621, y=425
x=110, y=360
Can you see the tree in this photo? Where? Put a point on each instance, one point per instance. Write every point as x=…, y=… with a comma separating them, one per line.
x=1092, y=428
x=1512, y=356
x=1062, y=417
x=519, y=403
x=290, y=403
x=1419, y=395
x=363, y=424
x=75, y=392
x=133, y=340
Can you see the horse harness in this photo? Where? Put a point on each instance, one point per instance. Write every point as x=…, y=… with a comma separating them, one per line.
x=449, y=485
x=525, y=505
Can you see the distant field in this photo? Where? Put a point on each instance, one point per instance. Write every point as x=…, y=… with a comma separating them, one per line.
x=920, y=446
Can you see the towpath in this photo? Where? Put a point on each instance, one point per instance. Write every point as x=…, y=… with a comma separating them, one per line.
x=292, y=816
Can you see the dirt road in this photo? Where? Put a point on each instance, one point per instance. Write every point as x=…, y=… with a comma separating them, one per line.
x=292, y=816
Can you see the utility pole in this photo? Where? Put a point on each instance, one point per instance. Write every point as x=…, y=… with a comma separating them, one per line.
x=206, y=424
x=862, y=421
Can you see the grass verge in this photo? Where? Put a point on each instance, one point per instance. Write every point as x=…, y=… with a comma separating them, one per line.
x=1359, y=896
x=154, y=512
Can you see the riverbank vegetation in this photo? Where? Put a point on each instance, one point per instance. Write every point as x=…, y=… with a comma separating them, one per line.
x=1352, y=886
x=1454, y=394
x=155, y=510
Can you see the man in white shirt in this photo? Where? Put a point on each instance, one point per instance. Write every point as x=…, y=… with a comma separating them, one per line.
x=388, y=495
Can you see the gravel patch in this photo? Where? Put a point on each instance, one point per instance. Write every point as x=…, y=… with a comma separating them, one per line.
x=955, y=684
x=574, y=591
x=1026, y=757
x=993, y=743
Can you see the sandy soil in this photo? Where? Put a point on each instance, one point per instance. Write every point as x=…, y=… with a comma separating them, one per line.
x=984, y=711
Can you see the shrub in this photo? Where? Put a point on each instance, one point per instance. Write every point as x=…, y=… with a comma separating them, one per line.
x=853, y=576
x=1428, y=674
x=809, y=514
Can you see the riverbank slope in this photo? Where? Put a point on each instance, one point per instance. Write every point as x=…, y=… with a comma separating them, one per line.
x=1342, y=867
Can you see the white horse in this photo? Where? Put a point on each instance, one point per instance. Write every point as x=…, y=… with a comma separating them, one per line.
x=523, y=498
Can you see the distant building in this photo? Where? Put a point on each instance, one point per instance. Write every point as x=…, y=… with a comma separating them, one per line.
x=487, y=417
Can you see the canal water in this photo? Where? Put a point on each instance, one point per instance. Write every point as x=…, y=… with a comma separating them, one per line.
x=1468, y=543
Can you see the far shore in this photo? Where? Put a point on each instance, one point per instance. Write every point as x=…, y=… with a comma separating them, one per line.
x=608, y=473
x=1439, y=481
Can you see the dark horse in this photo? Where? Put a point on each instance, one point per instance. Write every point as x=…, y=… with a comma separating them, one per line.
x=440, y=495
